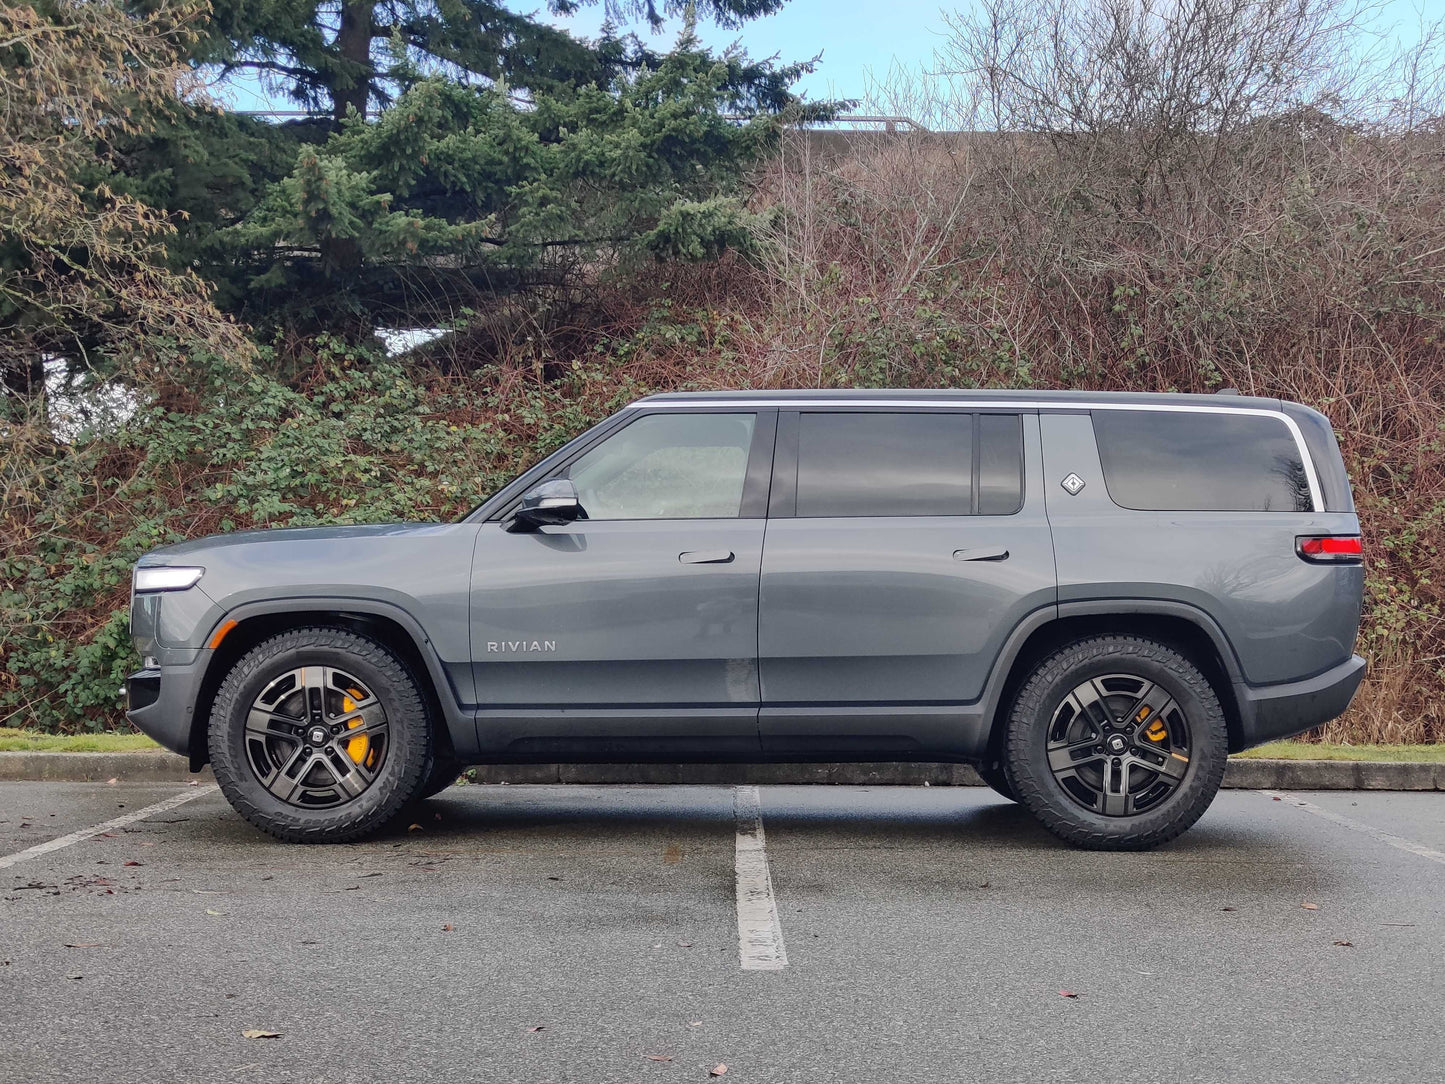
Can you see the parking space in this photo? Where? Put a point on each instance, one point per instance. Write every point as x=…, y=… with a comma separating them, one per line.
x=516, y=933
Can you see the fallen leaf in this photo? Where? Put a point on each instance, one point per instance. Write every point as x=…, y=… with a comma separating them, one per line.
x=84, y=944
x=194, y=783
x=130, y=862
x=658, y=1057
x=1067, y=993
x=413, y=828
x=684, y=944
x=1276, y=799
x=718, y=1070
x=539, y=1027
x=111, y=781
x=447, y=928
x=694, y=1023
x=75, y=976
x=257, y=1033
x=1226, y=908
x=1345, y=944
x=210, y=911
x=1309, y=906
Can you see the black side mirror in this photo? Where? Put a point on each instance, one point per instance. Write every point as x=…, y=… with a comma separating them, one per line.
x=547, y=504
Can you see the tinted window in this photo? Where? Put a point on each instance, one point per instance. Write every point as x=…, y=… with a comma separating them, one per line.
x=1000, y=464
x=667, y=466
x=1175, y=461
x=871, y=464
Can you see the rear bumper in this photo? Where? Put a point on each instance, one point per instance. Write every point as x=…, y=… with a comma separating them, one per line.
x=1271, y=712
x=161, y=701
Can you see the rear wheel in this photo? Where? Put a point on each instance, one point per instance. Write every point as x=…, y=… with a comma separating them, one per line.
x=320, y=735
x=1116, y=743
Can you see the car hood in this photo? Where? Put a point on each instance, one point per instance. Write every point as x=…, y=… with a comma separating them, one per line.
x=190, y=550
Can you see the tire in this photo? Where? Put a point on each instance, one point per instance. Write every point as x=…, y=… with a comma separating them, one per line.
x=997, y=779
x=444, y=772
x=337, y=773
x=1090, y=797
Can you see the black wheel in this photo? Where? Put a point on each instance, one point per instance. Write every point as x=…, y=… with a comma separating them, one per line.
x=443, y=774
x=1116, y=743
x=320, y=735
x=997, y=779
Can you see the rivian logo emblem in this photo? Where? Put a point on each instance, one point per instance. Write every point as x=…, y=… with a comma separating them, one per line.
x=509, y=647
x=1073, y=484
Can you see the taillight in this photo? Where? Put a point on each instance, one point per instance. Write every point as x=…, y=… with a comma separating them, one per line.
x=1338, y=549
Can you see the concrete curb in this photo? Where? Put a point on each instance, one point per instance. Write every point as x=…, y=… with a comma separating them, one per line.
x=162, y=767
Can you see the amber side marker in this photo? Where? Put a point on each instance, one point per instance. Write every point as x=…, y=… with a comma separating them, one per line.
x=221, y=634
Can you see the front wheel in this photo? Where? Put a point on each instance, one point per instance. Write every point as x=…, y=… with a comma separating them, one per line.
x=320, y=735
x=1116, y=743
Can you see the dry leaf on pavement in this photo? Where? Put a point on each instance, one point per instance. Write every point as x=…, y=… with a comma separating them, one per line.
x=718, y=1070
x=1309, y=906
x=257, y=1033
x=1067, y=993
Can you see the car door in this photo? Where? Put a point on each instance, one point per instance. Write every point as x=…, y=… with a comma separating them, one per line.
x=631, y=633
x=902, y=548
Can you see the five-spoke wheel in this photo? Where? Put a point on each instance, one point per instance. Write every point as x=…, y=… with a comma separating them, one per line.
x=320, y=735
x=1116, y=742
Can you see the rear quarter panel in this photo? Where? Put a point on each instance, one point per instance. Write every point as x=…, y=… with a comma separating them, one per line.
x=1286, y=619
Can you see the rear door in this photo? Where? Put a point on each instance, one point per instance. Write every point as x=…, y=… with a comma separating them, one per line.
x=632, y=633
x=902, y=547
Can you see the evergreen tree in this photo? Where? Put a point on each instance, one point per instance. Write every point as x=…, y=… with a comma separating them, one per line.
x=465, y=150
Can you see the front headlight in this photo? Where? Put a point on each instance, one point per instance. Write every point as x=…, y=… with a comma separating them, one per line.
x=166, y=578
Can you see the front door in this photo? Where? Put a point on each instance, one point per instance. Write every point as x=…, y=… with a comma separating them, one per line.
x=631, y=634
x=908, y=547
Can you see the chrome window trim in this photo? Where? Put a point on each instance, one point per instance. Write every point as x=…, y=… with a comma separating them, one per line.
x=1316, y=494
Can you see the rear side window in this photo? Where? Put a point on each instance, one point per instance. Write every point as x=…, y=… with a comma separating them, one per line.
x=909, y=464
x=1178, y=461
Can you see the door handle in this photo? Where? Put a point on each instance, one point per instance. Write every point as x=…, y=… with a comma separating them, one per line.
x=705, y=557
x=987, y=553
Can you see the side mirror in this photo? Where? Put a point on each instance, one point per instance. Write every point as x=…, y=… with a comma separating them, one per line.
x=547, y=504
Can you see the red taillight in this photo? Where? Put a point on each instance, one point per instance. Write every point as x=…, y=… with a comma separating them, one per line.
x=1338, y=549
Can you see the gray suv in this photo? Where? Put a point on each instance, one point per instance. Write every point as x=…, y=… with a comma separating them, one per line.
x=1093, y=598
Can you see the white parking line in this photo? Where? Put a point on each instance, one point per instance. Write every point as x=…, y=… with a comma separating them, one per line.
x=1388, y=838
x=760, y=935
x=95, y=830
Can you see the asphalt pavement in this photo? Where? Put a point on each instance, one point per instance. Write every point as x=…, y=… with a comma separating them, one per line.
x=592, y=934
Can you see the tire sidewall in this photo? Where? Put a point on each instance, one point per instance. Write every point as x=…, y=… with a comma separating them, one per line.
x=1026, y=760
x=408, y=755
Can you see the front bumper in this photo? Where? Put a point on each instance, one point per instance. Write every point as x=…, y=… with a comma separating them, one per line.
x=161, y=701
x=1271, y=712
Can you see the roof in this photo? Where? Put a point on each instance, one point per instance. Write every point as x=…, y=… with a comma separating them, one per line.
x=944, y=396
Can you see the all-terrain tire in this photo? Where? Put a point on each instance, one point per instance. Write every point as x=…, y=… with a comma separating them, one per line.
x=1026, y=761
x=443, y=774
x=408, y=757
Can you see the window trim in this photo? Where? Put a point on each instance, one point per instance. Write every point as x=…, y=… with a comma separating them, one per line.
x=1024, y=406
x=783, y=503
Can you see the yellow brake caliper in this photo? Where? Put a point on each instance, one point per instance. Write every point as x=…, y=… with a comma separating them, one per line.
x=357, y=747
x=1157, y=732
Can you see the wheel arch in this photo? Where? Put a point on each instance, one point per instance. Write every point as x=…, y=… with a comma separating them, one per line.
x=379, y=621
x=1185, y=628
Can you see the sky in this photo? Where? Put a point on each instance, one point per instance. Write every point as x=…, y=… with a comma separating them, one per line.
x=860, y=40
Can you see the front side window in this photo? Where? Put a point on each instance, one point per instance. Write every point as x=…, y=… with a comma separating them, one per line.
x=1176, y=461
x=667, y=466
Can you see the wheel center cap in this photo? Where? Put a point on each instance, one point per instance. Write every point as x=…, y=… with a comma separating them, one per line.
x=1117, y=743
x=317, y=735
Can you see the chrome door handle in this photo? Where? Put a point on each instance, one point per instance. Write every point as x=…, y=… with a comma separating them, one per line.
x=994, y=553
x=705, y=557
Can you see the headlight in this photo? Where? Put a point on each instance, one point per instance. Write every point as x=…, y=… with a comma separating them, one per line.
x=166, y=578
